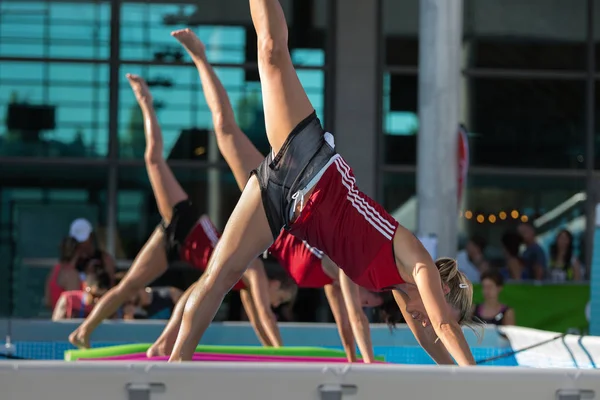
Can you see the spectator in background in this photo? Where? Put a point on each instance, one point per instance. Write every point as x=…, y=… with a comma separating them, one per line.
x=79, y=303
x=91, y=258
x=491, y=311
x=564, y=266
x=472, y=261
x=534, y=258
x=64, y=276
x=156, y=302
x=511, y=242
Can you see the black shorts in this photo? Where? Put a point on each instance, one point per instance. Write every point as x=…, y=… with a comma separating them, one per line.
x=304, y=153
x=185, y=216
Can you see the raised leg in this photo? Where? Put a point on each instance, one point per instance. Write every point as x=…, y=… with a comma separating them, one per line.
x=167, y=191
x=284, y=100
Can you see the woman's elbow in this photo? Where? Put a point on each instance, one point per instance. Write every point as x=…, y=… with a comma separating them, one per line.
x=444, y=327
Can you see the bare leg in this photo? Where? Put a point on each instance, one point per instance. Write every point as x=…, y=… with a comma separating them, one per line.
x=284, y=99
x=164, y=344
x=245, y=237
x=150, y=263
x=167, y=190
x=340, y=315
x=237, y=149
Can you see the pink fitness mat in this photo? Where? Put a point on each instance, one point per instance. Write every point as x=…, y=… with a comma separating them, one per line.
x=225, y=358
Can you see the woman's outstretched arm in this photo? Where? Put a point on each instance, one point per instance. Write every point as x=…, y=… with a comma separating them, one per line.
x=425, y=335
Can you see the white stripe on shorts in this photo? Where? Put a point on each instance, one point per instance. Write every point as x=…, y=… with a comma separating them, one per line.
x=352, y=181
x=316, y=252
x=209, y=230
x=371, y=215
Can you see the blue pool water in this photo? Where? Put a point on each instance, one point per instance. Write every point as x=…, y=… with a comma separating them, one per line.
x=45, y=340
x=400, y=355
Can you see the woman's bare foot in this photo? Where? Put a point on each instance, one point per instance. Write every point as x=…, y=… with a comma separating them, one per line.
x=190, y=42
x=159, y=348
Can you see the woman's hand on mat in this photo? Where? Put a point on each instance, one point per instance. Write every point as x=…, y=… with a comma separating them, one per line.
x=140, y=89
x=80, y=339
x=192, y=44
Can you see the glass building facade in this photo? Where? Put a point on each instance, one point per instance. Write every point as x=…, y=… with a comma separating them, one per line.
x=72, y=143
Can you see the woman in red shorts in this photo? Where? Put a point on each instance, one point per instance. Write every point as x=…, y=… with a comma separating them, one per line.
x=183, y=236
x=303, y=186
x=303, y=262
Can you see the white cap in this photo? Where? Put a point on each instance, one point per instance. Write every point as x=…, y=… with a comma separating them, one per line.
x=80, y=229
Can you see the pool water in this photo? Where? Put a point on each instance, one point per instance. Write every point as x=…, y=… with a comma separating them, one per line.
x=47, y=340
x=392, y=354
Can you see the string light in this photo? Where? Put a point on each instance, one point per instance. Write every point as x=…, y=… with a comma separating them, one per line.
x=493, y=218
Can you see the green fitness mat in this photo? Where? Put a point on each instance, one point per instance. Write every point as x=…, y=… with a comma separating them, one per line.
x=73, y=355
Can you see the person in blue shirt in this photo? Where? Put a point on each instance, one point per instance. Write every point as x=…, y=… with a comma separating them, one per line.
x=534, y=259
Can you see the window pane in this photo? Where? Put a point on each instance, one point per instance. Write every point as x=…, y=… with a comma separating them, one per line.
x=526, y=123
x=400, y=119
x=399, y=198
x=400, y=19
x=510, y=34
x=224, y=26
x=184, y=116
x=528, y=34
x=55, y=29
x=597, y=124
x=37, y=206
x=501, y=203
x=53, y=109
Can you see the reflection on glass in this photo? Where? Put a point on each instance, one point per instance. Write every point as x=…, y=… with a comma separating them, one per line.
x=214, y=194
x=39, y=202
x=53, y=109
x=526, y=123
x=185, y=119
x=75, y=29
x=146, y=28
x=525, y=34
x=400, y=119
x=400, y=19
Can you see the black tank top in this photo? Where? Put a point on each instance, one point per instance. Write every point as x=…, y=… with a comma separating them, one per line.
x=496, y=320
x=162, y=304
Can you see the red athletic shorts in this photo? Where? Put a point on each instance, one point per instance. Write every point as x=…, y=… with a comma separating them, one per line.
x=200, y=244
x=351, y=228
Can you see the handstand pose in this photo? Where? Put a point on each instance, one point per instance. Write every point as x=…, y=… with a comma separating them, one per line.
x=303, y=262
x=184, y=235
x=303, y=186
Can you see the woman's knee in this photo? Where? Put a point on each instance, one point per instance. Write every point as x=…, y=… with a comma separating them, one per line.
x=128, y=287
x=153, y=155
x=272, y=51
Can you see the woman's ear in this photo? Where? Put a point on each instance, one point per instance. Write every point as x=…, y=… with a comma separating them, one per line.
x=445, y=288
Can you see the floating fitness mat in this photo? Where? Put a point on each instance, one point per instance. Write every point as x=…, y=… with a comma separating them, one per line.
x=215, y=357
x=129, y=349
